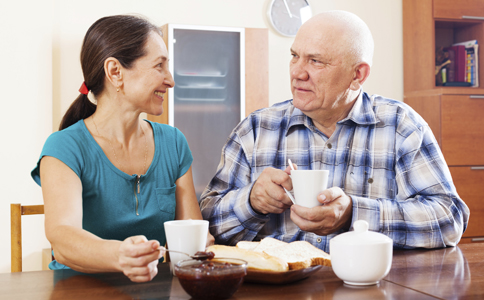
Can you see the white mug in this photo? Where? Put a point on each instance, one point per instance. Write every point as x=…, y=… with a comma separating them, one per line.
x=307, y=184
x=188, y=236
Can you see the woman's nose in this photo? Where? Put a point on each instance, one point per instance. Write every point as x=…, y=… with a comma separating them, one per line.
x=169, y=81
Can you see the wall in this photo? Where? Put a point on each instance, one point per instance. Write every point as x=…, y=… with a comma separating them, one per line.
x=40, y=44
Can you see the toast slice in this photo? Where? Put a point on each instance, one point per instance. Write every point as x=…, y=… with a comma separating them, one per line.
x=300, y=255
x=268, y=242
x=247, y=245
x=256, y=260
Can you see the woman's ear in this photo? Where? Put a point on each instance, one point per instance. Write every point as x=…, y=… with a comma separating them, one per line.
x=362, y=72
x=114, y=72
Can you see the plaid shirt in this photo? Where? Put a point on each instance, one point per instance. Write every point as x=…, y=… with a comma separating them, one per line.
x=383, y=155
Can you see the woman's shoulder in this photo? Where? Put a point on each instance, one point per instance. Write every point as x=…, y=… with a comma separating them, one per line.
x=165, y=131
x=72, y=134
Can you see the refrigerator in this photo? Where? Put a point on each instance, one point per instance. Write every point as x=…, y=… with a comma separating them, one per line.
x=208, y=99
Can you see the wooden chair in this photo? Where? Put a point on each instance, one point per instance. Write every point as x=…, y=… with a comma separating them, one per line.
x=16, y=213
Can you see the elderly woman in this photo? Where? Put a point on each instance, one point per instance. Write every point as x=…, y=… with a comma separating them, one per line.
x=109, y=179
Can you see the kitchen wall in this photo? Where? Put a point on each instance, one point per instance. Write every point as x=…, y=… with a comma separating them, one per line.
x=40, y=76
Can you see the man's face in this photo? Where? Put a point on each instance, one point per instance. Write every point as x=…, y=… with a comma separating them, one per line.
x=320, y=73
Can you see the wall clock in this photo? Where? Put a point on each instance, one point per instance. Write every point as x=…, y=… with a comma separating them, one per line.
x=286, y=16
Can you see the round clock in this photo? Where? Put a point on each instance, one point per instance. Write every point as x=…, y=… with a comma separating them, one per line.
x=286, y=16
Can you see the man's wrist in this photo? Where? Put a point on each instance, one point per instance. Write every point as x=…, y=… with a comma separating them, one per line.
x=255, y=210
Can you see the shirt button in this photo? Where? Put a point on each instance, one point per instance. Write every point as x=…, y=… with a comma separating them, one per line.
x=329, y=146
x=318, y=240
x=370, y=180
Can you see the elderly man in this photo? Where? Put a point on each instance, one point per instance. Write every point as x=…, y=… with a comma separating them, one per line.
x=384, y=163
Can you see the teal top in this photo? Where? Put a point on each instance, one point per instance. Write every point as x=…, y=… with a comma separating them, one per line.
x=112, y=207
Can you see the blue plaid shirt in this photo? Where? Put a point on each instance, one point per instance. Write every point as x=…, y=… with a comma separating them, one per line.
x=383, y=155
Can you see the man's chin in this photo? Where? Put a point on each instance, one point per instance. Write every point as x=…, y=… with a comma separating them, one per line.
x=300, y=102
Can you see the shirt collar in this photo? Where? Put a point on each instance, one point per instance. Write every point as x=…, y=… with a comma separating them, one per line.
x=296, y=117
x=361, y=113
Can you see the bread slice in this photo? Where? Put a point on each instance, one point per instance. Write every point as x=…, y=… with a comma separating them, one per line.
x=256, y=260
x=300, y=255
x=268, y=242
x=247, y=245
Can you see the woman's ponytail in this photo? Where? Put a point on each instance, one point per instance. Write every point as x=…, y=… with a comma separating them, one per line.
x=80, y=109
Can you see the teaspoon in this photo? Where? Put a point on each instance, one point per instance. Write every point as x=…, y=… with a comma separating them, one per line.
x=200, y=255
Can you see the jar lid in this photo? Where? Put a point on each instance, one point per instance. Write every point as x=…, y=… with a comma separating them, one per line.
x=361, y=236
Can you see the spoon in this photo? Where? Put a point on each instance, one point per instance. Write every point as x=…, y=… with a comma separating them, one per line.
x=287, y=192
x=200, y=255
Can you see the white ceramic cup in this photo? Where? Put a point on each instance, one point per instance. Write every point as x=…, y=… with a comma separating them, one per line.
x=188, y=236
x=307, y=184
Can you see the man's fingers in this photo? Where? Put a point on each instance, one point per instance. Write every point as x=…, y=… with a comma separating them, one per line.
x=330, y=195
x=314, y=214
x=267, y=195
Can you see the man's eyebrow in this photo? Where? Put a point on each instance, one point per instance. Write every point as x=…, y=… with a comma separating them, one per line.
x=314, y=55
x=310, y=55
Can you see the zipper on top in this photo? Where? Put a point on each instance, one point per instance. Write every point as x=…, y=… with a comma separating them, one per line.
x=137, y=191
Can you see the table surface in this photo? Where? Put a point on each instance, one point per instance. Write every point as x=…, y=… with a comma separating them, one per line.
x=449, y=273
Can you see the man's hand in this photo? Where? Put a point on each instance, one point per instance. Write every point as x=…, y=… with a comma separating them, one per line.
x=334, y=214
x=267, y=195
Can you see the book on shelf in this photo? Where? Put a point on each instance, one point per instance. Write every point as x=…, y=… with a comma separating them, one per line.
x=471, y=62
x=457, y=67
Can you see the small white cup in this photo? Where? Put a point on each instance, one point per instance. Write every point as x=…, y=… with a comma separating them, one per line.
x=307, y=184
x=188, y=236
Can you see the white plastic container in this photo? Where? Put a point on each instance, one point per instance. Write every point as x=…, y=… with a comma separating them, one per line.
x=361, y=257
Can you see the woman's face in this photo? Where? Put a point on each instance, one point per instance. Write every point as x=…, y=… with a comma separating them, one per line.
x=147, y=81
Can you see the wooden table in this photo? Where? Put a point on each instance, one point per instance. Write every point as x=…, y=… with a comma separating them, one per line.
x=450, y=273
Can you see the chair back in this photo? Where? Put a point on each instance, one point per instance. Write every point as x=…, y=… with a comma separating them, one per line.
x=16, y=213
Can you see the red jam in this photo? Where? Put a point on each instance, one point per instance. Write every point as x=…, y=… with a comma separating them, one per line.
x=211, y=280
x=202, y=255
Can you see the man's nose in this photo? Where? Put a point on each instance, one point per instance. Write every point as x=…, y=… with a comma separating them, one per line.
x=298, y=70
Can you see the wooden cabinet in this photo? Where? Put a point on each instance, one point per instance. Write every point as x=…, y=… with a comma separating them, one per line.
x=456, y=9
x=455, y=114
x=469, y=184
x=463, y=130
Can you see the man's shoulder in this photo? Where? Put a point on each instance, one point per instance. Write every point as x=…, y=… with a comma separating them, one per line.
x=387, y=108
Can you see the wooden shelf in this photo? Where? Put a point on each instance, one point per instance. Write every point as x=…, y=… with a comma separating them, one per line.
x=454, y=116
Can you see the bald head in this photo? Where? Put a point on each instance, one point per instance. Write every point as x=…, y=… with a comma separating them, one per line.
x=346, y=31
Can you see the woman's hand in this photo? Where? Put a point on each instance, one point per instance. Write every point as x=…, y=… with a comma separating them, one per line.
x=138, y=258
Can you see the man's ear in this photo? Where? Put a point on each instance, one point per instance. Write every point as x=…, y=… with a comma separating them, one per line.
x=362, y=72
x=113, y=71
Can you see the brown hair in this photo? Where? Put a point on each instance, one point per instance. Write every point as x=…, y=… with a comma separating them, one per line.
x=123, y=37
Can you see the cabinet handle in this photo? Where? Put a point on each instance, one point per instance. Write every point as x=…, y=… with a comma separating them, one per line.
x=477, y=240
x=477, y=168
x=476, y=96
x=473, y=17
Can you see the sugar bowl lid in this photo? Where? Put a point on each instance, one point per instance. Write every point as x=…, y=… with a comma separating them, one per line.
x=361, y=236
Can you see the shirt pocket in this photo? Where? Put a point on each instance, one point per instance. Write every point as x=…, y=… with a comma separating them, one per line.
x=167, y=200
